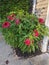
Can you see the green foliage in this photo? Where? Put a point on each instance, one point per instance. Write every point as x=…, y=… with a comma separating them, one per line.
x=7, y=6
x=24, y=32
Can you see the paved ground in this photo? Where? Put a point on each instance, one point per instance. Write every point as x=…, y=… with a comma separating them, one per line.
x=7, y=57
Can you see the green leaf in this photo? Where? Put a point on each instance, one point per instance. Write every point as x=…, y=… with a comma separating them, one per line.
x=24, y=48
x=36, y=46
x=33, y=48
x=29, y=50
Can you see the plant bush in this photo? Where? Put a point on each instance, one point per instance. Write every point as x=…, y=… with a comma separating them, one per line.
x=7, y=6
x=24, y=31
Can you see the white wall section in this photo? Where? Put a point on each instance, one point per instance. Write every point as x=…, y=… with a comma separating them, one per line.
x=45, y=40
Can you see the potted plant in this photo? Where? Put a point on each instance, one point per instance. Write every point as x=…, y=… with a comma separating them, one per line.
x=24, y=31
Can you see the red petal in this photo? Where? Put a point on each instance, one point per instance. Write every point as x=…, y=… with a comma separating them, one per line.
x=6, y=24
x=41, y=21
x=27, y=42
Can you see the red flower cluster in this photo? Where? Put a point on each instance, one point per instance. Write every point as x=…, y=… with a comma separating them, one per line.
x=12, y=17
x=36, y=33
x=6, y=24
x=27, y=42
x=41, y=21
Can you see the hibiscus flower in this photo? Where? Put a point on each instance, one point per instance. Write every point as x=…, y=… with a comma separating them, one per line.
x=6, y=24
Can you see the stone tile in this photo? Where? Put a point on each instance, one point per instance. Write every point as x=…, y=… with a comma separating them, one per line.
x=21, y=62
x=40, y=60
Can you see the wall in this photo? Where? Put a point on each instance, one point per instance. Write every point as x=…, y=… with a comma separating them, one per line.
x=41, y=8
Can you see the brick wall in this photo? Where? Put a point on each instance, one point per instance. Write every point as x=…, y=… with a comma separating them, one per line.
x=41, y=8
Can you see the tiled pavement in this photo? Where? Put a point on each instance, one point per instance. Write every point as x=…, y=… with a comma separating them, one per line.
x=6, y=53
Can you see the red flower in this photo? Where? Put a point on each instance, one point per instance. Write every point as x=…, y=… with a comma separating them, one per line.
x=36, y=33
x=17, y=21
x=6, y=24
x=27, y=42
x=41, y=21
x=11, y=17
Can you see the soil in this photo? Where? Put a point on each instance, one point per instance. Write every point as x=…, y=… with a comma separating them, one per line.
x=26, y=55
